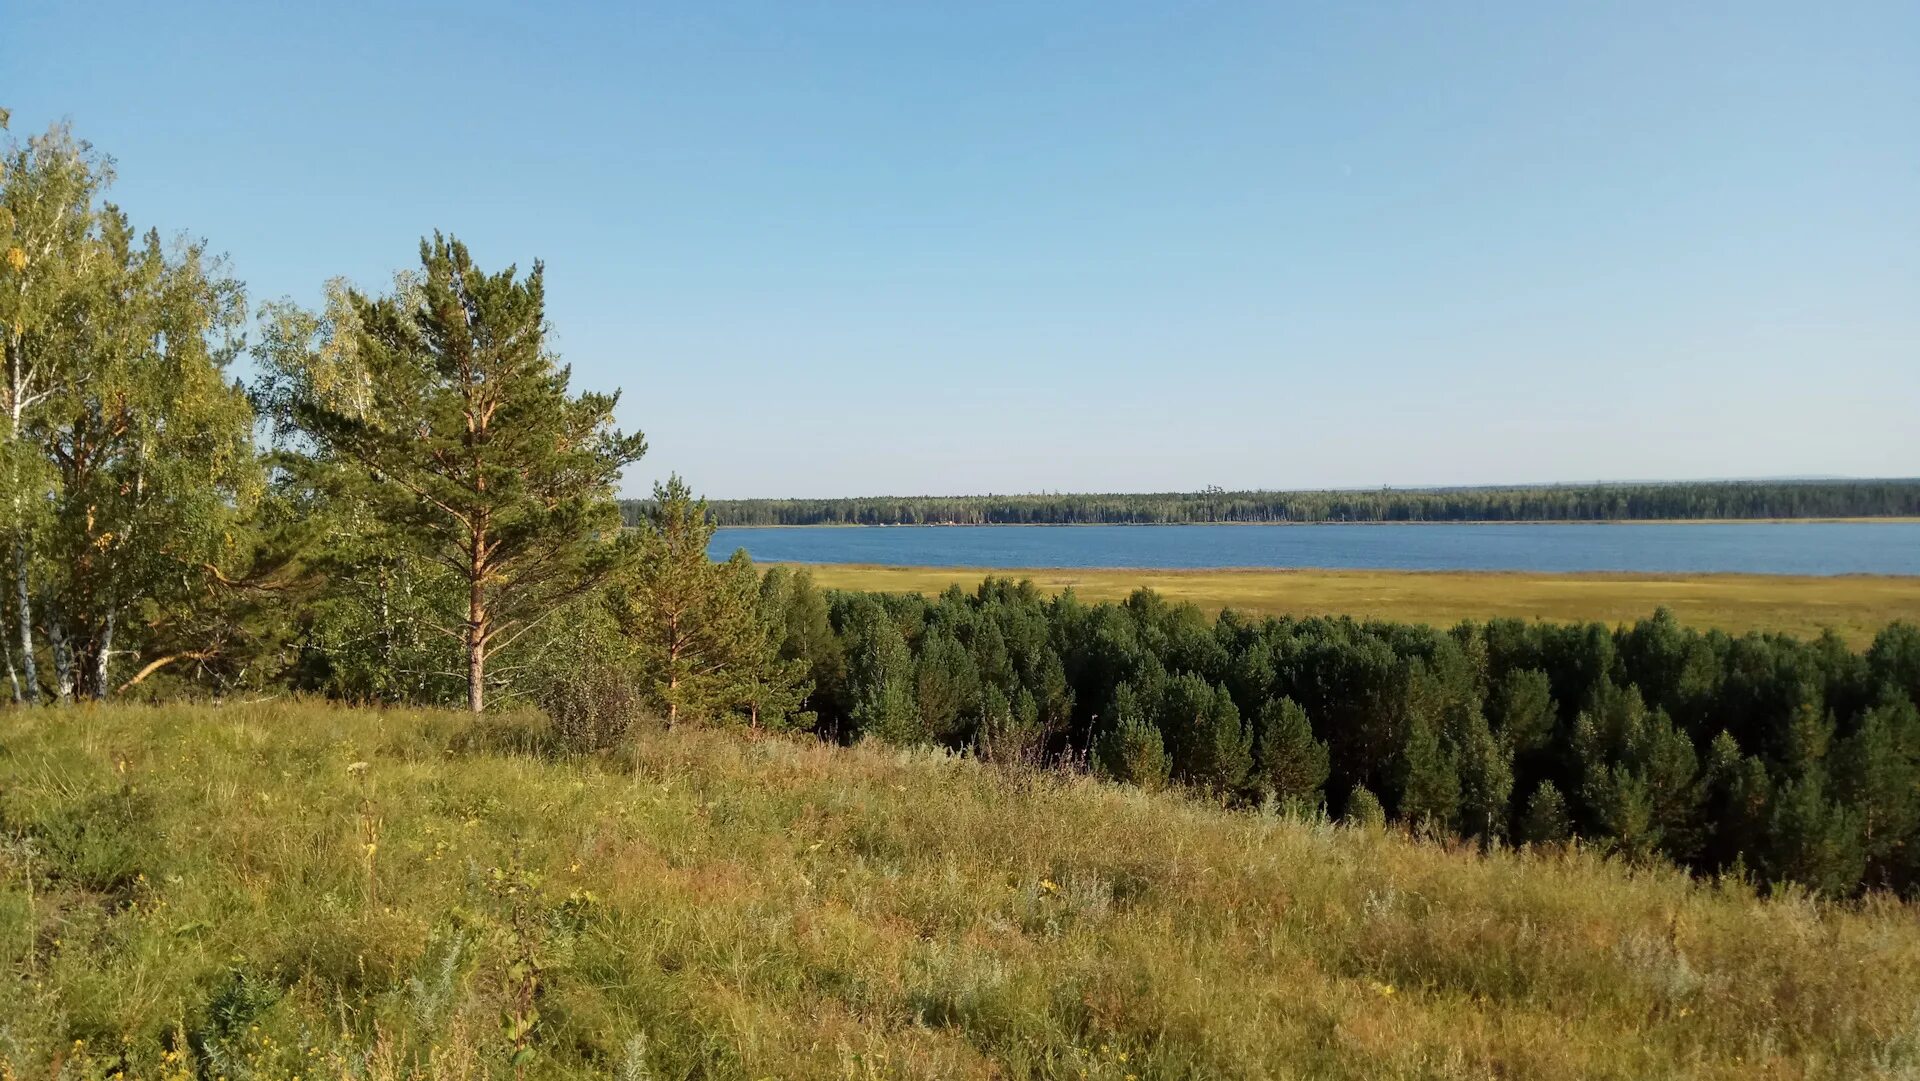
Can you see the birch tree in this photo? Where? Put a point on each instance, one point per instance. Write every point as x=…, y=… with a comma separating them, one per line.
x=151, y=464
x=48, y=186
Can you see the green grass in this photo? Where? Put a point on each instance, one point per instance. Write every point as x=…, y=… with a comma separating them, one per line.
x=227, y=891
x=1854, y=606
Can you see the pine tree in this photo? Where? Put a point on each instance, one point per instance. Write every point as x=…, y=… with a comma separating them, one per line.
x=1894, y=659
x=946, y=687
x=1292, y=764
x=1211, y=747
x=1737, y=794
x=768, y=686
x=1621, y=811
x=1009, y=728
x=1429, y=778
x=1814, y=840
x=1546, y=821
x=696, y=624
x=1523, y=711
x=1131, y=749
x=1485, y=768
x=1640, y=776
x=481, y=455
x=880, y=676
x=796, y=612
x=1876, y=771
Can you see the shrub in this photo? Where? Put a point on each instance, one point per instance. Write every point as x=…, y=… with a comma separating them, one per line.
x=591, y=687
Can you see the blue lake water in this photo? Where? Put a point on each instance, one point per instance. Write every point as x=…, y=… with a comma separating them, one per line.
x=1746, y=547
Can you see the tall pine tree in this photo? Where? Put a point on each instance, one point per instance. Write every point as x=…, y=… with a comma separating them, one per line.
x=481, y=455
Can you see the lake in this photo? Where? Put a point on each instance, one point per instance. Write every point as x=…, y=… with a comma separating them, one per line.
x=1743, y=547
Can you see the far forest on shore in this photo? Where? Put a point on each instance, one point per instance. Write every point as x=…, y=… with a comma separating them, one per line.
x=1682, y=500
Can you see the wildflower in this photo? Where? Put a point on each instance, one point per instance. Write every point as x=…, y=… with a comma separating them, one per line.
x=1048, y=885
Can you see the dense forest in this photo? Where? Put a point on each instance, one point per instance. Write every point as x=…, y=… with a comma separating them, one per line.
x=1539, y=503
x=407, y=503
x=1777, y=758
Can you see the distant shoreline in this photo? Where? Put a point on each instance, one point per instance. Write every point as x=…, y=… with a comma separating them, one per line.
x=1886, y=520
x=1667, y=577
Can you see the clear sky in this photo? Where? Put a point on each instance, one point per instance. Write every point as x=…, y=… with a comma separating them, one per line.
x=846, y=248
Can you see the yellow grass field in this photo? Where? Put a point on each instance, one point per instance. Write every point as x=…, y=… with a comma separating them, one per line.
x=1855, y=606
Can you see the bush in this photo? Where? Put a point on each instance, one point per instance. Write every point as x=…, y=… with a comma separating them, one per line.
x=590, y=685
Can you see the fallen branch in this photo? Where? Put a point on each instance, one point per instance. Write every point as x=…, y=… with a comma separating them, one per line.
x=161, y=662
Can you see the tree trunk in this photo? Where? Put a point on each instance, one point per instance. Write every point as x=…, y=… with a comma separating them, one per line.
x=476, y=648
x=16, y=406
x=62, y=655
x=13, y=674
x=101, y=688
x=30, y=672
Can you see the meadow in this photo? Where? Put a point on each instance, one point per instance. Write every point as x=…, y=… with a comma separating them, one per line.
x=285, y=890
x=1854, y=606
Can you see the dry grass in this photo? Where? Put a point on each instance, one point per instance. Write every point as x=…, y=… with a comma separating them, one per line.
x=227, y=891
x=1855, y=606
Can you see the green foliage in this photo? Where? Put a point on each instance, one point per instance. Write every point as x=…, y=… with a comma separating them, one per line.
x=1641, y=775
x=696, y=905
x=1893, y=660
x=481, y=459
x=1212, y=749
x=1816, y=841
x=1131, y=749
x=592, y=687
x=795, y=614
x=126, y=457
x=1546, y=821
x=1292, y=764
x=433, y=519
x=880, y=678
x=1523, y=712
x=1484, y=765
x=947, y=687
x=1429, y=778
x=1876, y=772
x=700, y=630
x=1364, y=810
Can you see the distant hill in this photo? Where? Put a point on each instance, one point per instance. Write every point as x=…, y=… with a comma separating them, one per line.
x=1608, y=502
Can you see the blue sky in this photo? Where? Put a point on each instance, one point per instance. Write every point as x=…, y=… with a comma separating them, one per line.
x=846, y=248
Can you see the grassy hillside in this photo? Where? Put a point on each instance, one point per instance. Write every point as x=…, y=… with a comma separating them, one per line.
x=274, y=891
x=1856, y=606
